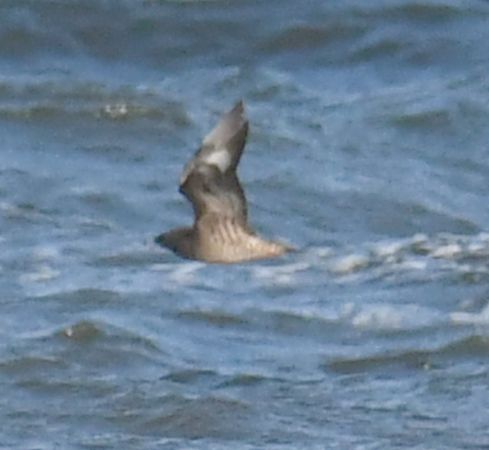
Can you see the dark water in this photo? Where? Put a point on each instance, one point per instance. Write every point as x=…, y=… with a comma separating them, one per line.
x=368, y=151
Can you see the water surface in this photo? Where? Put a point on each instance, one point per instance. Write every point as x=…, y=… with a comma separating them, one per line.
x=368, y=152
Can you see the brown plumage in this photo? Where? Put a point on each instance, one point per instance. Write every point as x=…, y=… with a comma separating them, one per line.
x=220, y=232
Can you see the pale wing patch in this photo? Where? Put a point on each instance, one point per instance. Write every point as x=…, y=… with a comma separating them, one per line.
x=220, y=158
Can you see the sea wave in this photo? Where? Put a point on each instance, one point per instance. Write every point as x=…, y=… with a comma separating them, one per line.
x=415, y=359
x=39, y=100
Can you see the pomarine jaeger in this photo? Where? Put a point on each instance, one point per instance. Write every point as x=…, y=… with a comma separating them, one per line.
x=220, y=233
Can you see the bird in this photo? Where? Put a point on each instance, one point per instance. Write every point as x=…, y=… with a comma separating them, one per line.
x=220, y=232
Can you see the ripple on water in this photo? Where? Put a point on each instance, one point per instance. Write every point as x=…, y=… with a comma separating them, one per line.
x=476, y=346
x=208, y=416
x=83, y=298
x=311, y=36
x=216, y=318
x=122, y=343
x=82, y=331
x=22, y=365
x=92, y=346
x=65, y=98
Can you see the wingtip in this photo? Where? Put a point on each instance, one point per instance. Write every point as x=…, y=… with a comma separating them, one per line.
x=239, y=107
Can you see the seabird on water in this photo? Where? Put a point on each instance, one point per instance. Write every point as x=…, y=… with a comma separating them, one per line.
x=220, y=233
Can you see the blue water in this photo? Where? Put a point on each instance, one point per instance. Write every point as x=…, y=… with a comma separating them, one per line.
x=368, y=152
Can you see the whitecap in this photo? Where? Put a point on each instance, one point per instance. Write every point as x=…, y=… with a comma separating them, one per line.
x=448, y=251
x=388, y=317
x=349, y=264
x=184, y=274
x=284, y=275
x=43, y=273
x=466, y=318
x=45, y=253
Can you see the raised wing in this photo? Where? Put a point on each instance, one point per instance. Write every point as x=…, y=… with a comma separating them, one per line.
x=209, y=179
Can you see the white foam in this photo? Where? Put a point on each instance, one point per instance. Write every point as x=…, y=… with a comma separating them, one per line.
x=388, y=249
x=448, y=251
x=381, y=317
x=413, y=264
x=465, y=318
x=42, y=274
x=349, y=264
x=477, y=247
x=116, y=110
x=45, y=253
x=322, y=252
x=284, y=275
x=12, y=210
x=388, y=317
x=83, y=190
x=185, y=273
